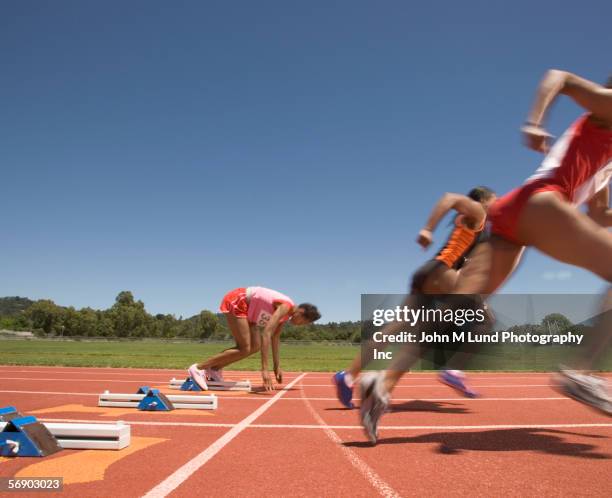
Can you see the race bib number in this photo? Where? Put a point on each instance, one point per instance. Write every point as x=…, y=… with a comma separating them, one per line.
x=263, y=318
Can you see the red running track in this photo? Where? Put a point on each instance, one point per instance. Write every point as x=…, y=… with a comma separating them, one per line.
x=521, y=438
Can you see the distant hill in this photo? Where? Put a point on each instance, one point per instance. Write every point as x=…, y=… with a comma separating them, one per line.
x=14, y=305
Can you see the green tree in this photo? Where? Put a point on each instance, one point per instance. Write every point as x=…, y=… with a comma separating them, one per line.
x=45, y=315
x=555, y=323
x=208, y=324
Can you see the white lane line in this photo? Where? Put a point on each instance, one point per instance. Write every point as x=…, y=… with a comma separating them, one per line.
x=165, y=376
x=45, y=379
x=339, y=427
x=49, y=392
x=183, y=473
x=417, y=386
x=377, y=482
x=157, y=382
x=259, y=398
x=111, y=381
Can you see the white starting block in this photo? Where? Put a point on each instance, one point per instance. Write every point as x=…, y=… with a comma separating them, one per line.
x=238, y=385
x=207, y=402
x=89, y=436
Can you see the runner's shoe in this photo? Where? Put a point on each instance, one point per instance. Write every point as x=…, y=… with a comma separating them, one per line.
x=587, y=389
x=197, y=376
x=456, y=380
x=213, y=375
x=343, y=391
x=374, y=402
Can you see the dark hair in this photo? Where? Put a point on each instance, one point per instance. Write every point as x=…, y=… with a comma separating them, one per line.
x=480, y=193
x=310, y=312
x=609, y=82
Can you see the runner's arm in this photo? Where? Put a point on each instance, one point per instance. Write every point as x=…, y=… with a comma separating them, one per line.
x=591, y=96
x=276, y=347
x=471, y=209
x=462, y=204
x=266, y=335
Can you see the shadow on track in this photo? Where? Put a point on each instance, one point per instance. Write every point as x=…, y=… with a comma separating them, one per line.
x=416, y=405
x=528, y=439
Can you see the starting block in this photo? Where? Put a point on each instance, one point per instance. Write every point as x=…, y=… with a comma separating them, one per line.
x=26, y=436
x=189, y=385
x=153, y=400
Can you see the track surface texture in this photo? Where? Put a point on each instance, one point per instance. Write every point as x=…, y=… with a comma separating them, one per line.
x=520, y=439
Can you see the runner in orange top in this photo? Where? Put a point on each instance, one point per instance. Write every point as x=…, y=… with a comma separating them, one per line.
x=438, y=275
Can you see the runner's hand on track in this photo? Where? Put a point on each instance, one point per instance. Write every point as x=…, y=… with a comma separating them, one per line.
x=536, y=137
x=425, y=238
x=267, y=380
x=279, y=375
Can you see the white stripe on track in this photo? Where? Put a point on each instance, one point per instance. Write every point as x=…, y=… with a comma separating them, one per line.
x=341, y=427
x=417, y=386
x=257, y=398
x=45, y=379
x=377, y=482
x=183, y=473
x=141, y=382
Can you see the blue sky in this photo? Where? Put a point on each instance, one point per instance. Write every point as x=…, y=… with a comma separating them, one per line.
x=181, y=149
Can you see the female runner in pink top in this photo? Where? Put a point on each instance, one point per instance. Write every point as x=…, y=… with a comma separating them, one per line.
x=249, y=310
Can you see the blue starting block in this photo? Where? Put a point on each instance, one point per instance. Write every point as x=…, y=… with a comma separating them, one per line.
x=190, y=385
x=154, y=400
x=8, y=413
x=25, y=436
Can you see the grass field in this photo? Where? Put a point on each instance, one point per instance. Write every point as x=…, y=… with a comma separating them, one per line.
x=159, y=354
x=317, y=357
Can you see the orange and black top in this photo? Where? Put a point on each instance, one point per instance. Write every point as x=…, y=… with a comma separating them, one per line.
x=461, y=241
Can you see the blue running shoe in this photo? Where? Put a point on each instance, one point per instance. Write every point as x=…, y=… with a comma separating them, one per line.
x=343, y=391
x=455, y=379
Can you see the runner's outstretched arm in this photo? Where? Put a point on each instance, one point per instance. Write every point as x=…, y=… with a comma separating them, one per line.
x=591, y=96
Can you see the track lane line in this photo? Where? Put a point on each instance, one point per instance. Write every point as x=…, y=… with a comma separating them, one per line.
x=256, y=398
x=179, y=476
x=339, y=427
x=378, y=483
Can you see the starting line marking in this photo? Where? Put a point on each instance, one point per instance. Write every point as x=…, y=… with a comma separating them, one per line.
x=351, y=427
x=183, y=473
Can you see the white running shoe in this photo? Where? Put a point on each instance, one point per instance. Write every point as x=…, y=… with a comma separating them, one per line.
x=374, y=402
x=587, y=389
x=214, y=375
x=197, y=376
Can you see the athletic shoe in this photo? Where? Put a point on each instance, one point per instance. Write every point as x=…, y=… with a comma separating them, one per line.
x=456, y=380
x=213, y=375
x=587, y=389
x=374, y=402
x=343, y=391
x=197, y=376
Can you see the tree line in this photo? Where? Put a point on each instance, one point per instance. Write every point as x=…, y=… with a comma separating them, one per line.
x=128, y=318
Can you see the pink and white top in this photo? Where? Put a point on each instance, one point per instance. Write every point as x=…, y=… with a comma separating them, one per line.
x=580, y=163
x=261, y=305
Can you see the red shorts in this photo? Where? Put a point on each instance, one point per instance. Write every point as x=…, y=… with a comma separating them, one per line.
x=235, y=302
x=505, y=212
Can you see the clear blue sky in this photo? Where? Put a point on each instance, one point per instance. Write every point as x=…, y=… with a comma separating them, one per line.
x=181, y=149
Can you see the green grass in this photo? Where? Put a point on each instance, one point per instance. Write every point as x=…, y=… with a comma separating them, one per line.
x=321, y=357
x=160, y=354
